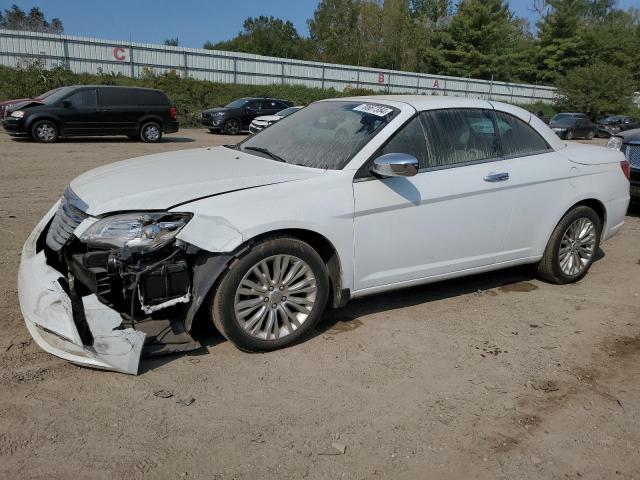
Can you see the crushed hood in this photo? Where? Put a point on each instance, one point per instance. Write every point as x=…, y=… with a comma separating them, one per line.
x=164, y=180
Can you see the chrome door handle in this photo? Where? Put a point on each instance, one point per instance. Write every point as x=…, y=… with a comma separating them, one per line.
x=497, y=177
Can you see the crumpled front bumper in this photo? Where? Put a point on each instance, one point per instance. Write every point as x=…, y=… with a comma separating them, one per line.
x=48, y=314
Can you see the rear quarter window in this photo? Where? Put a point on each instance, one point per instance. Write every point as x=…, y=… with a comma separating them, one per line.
x=152, y=97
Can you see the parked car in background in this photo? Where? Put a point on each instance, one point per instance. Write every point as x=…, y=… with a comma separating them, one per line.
x=361, y=195
x=614, y=124
x=238, y=115
x=88, y=110
x=260, y=123
x=573, y=125
x=6, y=105
x=629, y=144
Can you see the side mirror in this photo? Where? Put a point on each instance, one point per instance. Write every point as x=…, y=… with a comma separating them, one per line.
x=395, y=165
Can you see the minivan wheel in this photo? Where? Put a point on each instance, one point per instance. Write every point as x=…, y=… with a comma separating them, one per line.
x=232, y=127
x=151, y=132
x=590, y=135
x=569, y=135
x=272, y=296
x=572, y=247
x=44, y=131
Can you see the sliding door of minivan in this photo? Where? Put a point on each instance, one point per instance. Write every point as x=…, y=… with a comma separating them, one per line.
x=119, y=110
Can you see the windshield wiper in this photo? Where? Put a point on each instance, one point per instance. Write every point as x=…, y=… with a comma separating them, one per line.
x=267, y=152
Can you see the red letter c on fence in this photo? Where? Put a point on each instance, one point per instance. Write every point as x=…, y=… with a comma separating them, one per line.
x=119, y=54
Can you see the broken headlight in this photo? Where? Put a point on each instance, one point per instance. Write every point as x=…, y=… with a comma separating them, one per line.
x=138, y=231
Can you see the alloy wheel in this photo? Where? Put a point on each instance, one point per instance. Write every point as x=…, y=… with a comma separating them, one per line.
x=232, y=127
x=577, y=247
x=45, y=132
x=275, y=297
x=151, y=133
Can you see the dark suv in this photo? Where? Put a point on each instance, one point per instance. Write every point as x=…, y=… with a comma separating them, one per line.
x=238, y=115
x=87, y=110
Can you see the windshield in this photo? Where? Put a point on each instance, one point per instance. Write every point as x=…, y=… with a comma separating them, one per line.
x=288, y=111
x=323, y=135
x=560, y=116
x=237, y=103
x=56, y=95
x=46, y=94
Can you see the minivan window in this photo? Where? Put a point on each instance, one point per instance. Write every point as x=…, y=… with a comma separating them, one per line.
x=83, y=99
x=151, y=97
x=458, y=136
x=57, y=95
x=118, y=97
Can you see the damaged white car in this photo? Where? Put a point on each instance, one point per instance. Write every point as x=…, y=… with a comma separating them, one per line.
x=346, y=198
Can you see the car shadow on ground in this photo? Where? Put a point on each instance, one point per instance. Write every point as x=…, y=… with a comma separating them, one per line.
x=515, y=279
x=81, y=140
x=634, y=210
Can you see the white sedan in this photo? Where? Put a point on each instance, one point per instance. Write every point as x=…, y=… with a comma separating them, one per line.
x=345, y=198
x=260, y=123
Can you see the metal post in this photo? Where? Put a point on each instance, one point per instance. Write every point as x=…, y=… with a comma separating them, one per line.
x=235, y=69
x=186, y=65
x=491, y=88
x=131, y=59
x=282, y=72
x=417, y=85
x=65, y=48
x=466, y=87
x=323, y=76
x=358, y=79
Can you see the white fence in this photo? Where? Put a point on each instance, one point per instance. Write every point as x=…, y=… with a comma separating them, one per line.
x=91, y=55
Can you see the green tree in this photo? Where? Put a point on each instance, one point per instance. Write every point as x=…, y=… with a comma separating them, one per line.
x=334, y=31
x=432, y=10
x=171, y=42
x=596, y=89
x=267, y=36
x=485, y=40
x=16, y=19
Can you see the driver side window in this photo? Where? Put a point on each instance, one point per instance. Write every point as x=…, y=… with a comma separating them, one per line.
x=410, y=139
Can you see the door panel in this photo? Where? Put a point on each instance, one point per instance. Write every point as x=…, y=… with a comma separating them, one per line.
x=438, y=222
x=79, y=115
x=119, y=110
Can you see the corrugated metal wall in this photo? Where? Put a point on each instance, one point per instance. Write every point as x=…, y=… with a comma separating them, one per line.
x=91, y=55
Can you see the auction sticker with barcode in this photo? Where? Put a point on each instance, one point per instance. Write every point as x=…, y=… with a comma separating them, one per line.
x=377, y=110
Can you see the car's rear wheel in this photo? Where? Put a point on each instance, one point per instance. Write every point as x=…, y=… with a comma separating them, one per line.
x=590, y=135
x=232, y=127
x=151, y=132
x=569, y=135
x=272, y=296
x=45, y=131
x=572, y=247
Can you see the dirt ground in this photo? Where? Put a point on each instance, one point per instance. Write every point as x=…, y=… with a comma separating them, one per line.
x=497, y=376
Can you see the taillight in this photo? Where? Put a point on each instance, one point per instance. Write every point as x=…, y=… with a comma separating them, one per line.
x=626, y=168
x=173, y=113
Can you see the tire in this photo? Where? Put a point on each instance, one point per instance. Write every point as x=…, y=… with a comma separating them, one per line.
x=551, y=267
x=590, y=135
x=211, y=130
x=231, y=127
x=265, y=325
x=45, y=131
x=569, y=135
x=151, y=132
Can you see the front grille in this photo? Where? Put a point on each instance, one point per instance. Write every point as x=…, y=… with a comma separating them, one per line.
x=632, y=154
x=70, y=214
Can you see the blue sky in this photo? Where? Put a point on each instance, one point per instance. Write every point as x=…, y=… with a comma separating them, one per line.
x=192, y=21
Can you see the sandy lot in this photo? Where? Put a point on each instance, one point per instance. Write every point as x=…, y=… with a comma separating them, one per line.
x=497, y=376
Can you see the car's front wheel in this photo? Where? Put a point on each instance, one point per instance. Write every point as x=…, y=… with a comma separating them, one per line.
x=591, y=134
x=150, y=132
x=45, y=131
x=271, y=296
x=569, y=135
x=232, y=127
x=572, y=247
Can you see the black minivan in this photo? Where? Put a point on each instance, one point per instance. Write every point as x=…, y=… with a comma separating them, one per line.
x=88, y=110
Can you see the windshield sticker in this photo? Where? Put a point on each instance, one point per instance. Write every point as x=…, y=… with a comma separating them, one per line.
x=372, y=109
